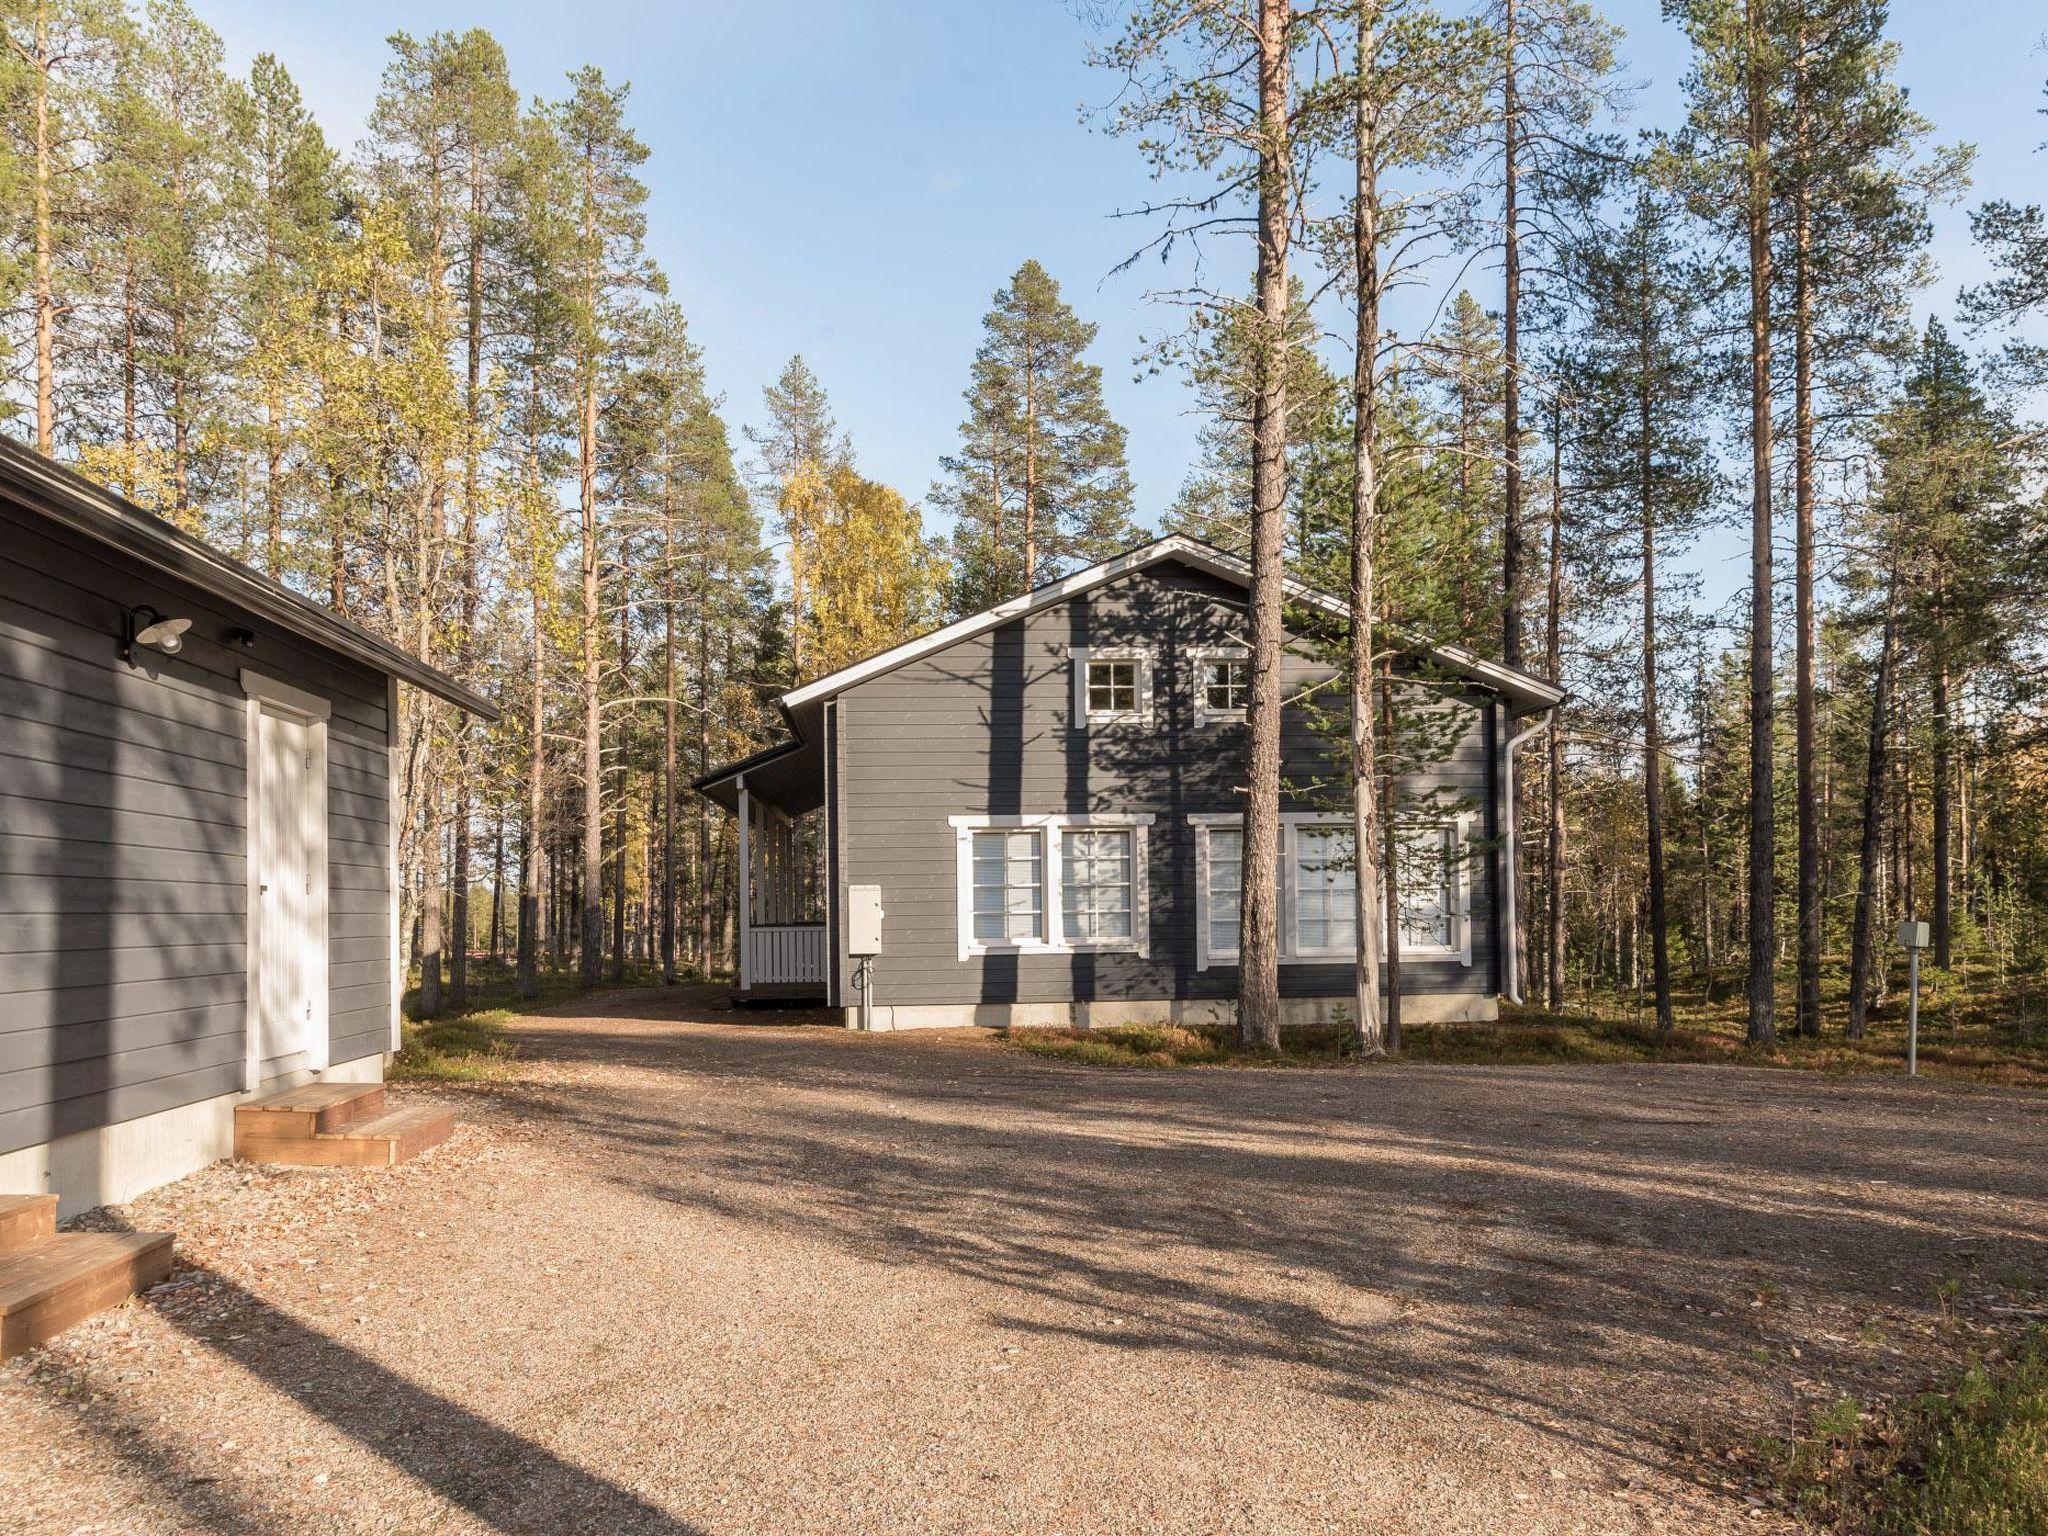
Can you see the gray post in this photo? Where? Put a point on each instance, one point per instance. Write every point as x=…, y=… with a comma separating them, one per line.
x=1913, y=1014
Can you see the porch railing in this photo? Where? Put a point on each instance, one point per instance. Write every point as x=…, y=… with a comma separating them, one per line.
x=786, y=954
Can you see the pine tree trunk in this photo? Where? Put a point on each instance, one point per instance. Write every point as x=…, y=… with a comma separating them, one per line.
x=1862, y=934
x=1258, y=1001
x=1653, y=742
x=44, y=293
x=536, y=748
x=1942, y=771
x=1391, y=867
x=668, y=737
x=1806, y=1013
x=1030, y=469
x=1553, y=768
x=1762, y=1027
x=1511, y=353
x=1368, y=1032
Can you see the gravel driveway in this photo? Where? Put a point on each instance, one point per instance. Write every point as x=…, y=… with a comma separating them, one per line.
x=705, y=1272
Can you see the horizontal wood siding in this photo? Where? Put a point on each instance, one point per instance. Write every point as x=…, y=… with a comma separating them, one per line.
x=123, y=836
x=985, y=728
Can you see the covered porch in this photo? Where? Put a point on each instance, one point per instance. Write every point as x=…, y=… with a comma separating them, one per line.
x=777, y=796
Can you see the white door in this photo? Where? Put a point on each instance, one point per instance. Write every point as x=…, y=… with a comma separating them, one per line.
x=289, y=942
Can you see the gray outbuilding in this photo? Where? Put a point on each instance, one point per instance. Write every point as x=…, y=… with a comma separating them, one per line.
x=198, y=877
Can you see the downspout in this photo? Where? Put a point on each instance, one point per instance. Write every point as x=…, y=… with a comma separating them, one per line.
x=1512, y=863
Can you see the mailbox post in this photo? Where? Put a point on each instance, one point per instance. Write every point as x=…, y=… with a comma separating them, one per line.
x=1913, y=937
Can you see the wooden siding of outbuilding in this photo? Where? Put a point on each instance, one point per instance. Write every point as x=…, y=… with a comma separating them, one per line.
x=985, y=727
x=123, y=834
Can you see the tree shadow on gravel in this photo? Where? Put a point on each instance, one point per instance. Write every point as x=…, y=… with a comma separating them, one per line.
x=1615, y=1258
x=501, y=1478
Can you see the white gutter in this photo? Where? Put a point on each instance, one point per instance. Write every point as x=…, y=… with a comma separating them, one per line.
x=1510, y=906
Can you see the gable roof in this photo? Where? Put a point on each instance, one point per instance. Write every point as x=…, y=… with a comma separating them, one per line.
x=1524, y=691
x=790, y=774
x=67, y=498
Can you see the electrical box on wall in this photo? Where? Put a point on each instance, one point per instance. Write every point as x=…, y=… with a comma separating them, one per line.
x=864, y=919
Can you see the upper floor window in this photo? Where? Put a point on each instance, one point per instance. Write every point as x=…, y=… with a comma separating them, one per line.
x=1111, y=684
x=1223, y=684
x=1112, y=687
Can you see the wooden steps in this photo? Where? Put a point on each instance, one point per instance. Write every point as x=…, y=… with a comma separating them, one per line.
x=50, y=1279
x=336, y=1125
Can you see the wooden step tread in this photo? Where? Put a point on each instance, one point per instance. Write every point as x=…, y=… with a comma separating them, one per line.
x=58, y=1281
x=26, y=1219
x=382, y=1139
x=310, y=1108
x=29, y=1274
x=313, y=1096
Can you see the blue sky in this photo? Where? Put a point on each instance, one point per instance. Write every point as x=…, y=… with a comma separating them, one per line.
x=854, y=181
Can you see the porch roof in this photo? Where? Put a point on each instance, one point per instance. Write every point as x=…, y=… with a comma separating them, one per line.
x=789, y=776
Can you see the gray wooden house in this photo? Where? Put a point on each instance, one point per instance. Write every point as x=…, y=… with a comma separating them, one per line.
x=198, y=883
x=1042, y=800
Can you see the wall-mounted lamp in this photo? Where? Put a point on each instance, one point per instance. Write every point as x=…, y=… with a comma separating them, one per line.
x=148, y=627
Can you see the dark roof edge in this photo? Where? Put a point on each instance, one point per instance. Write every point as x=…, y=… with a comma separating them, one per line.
x=751, y=760
x=69, y=498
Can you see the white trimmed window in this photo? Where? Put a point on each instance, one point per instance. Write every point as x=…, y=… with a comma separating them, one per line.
x=1009, y=887
x=1055, y=883
x=1323, y=890
x=1319, y=890
x=1223, y=685
x=1096, y=870
x=1432, y=896
x=1111, y=684
x=1222, y=871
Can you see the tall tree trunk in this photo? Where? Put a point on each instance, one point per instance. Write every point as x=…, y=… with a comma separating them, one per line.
x=1030, y=468
x=472, y=401
x=1653, y=741
x=1391, y=867
x=498, y=888
x=1553, y=768
x=1511, y=349
x=1258, y=1000
x=668, y=732
x=592, y=614
x=1368, y=1032
x=1862, y=933
x=1806, y=1013
x=1762, y=1001
x=44, y=294
x=1942, y=771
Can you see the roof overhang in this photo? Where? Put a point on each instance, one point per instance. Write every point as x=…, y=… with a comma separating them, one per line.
x=74, y=502
x=789, y=776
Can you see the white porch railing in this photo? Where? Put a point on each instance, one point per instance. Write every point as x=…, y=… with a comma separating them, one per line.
x=786, y=954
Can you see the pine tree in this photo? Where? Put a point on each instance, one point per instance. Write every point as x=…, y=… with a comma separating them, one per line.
x=1039, y=483
x=800, y=448
x=606, y=269
x=1641, y=390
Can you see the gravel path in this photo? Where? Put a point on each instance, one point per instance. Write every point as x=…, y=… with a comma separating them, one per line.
x=696, y=1273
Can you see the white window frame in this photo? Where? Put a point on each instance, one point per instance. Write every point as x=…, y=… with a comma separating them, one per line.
x=1051, y=827
x=1460, y=947
x=1291, y=828
x=1204, y=714
x=1081, y=655
x=1291, y=952
x=1205, y=955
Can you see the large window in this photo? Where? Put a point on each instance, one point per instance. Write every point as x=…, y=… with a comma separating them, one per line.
x=1009, y=886
x=1052, y=882
x=1223, y=890
x=1325, y=891
x=1318, y=890
x=1431, y=878
x=1096, y=885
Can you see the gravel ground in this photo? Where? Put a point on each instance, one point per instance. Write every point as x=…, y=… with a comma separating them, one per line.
x=696, y=1272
